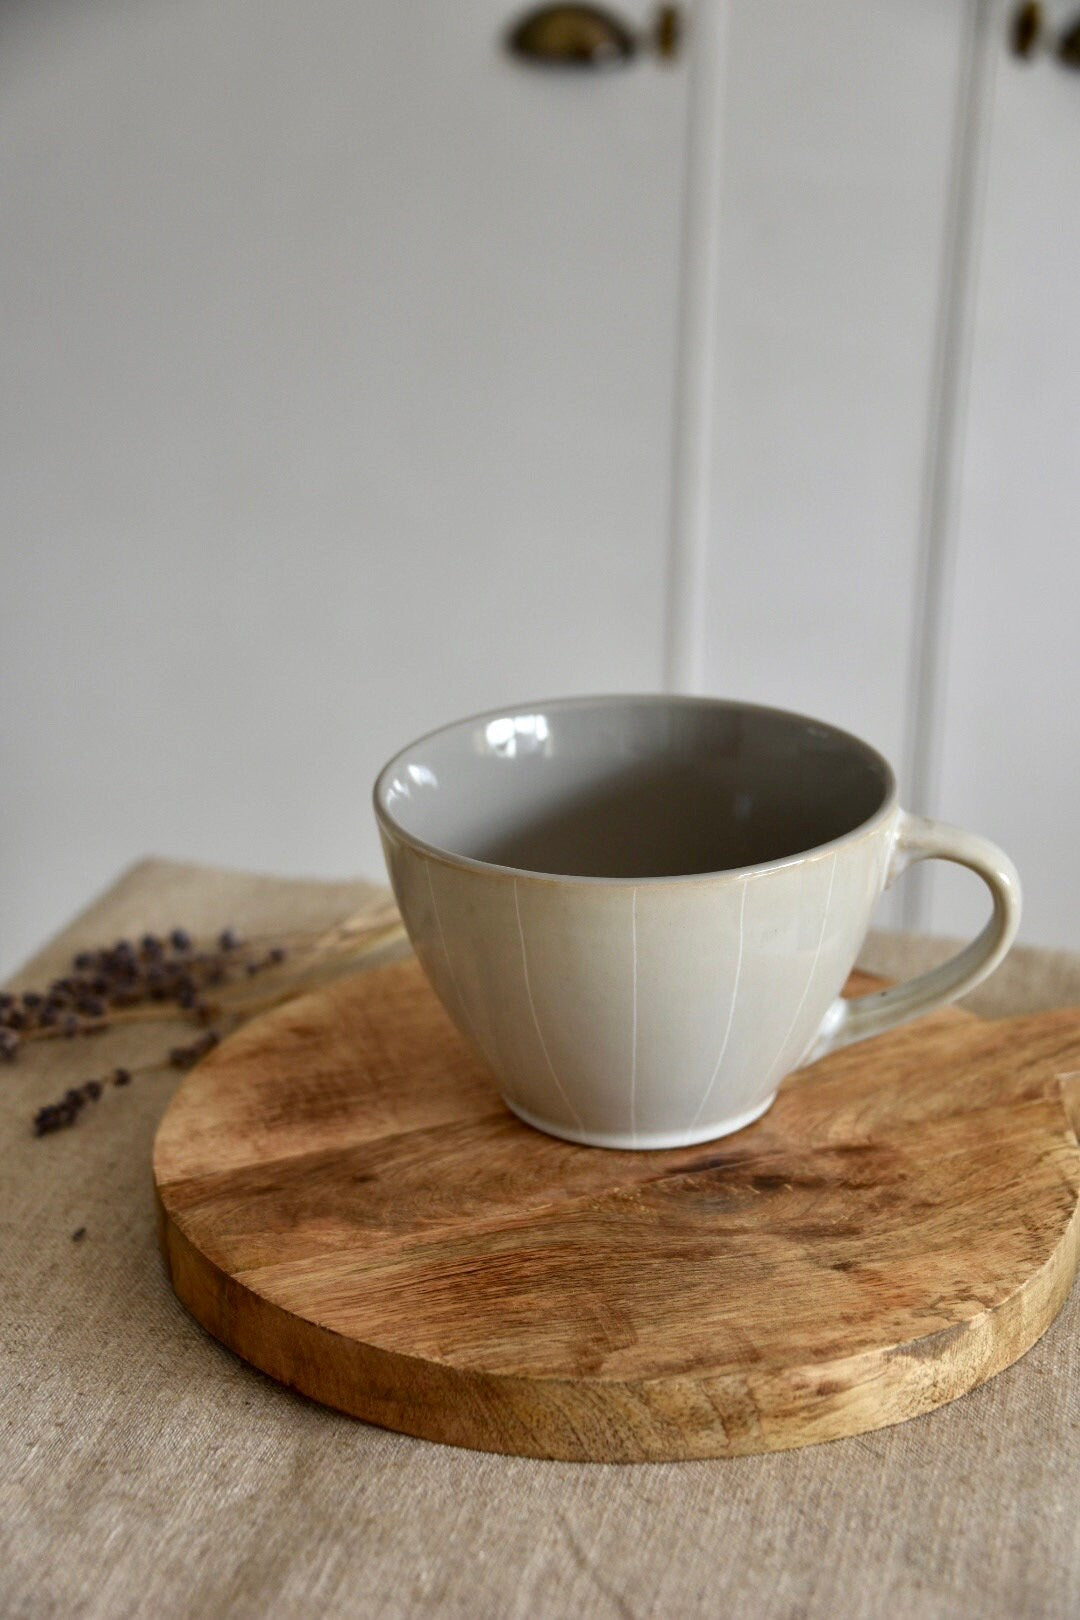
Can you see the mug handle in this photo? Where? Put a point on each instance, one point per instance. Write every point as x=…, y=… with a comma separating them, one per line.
x=916, y=839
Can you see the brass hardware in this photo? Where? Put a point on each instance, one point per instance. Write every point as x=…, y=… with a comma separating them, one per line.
x=584, y=36
x=1028, y=36
x=667, y=32
x=1068, y=45
x=1026, y=29
x=572, y=36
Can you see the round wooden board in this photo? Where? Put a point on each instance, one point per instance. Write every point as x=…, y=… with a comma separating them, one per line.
x=346, y=1203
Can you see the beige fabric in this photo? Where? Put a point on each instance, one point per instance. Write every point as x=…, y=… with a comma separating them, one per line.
x=1028, y=981
x=146, y=1471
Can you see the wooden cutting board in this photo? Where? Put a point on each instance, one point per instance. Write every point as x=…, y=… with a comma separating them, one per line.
x=346, y=1203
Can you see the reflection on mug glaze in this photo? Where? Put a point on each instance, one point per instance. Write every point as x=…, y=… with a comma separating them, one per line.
x=511, y=735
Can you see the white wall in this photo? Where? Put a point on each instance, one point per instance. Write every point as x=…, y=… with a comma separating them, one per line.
x=339, y=358
x=829, y=294
x=897, y=417
x=339, y=361
x=1009, y=720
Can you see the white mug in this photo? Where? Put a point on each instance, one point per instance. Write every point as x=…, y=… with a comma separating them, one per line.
x=640, y=911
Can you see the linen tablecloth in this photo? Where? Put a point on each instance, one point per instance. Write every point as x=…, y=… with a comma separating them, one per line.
x=147, y=1471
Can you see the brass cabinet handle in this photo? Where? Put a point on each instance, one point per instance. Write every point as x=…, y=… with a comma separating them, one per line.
x=1028, y=36
x=1026, y=28
x=1068, y=45
x=585, y=36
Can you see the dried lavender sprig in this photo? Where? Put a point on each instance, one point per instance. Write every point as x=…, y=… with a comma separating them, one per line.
x=122, y=983
x=185, y=1057
x=117, y=978
x=163, y=1000
x=108, y=983
x=61, y=1115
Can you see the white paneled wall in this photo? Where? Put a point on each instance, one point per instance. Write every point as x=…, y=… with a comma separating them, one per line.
x=838, y=160
x=339, y=364
x=897, y=416
x=834, y=213
x=1009, y=717
x=338, y=355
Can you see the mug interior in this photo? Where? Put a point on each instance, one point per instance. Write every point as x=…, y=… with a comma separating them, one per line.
x=630, y=787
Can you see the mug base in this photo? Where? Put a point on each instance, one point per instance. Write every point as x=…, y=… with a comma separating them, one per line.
x=643, y=1141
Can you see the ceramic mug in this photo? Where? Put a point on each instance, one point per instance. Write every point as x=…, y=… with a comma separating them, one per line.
x=640, y=911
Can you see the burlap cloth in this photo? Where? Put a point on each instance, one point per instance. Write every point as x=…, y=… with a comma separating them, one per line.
x=146, y=1471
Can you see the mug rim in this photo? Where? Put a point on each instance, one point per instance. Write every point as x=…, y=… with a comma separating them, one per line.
x=389, y=824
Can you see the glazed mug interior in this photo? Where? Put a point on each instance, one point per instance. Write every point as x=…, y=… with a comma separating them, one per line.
x=634, y=789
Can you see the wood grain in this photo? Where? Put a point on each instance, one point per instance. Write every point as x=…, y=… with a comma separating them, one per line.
x=345, y=1202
